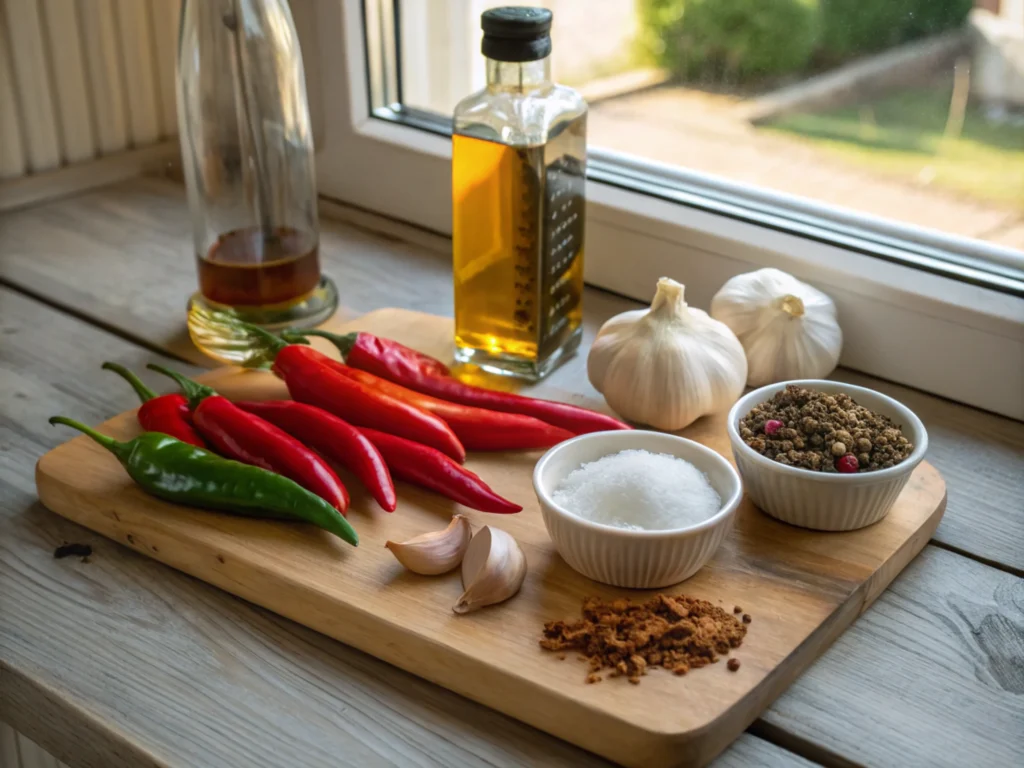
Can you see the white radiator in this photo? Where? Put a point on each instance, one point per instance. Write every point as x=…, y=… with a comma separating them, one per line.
x=17, y=751
x=81, y=79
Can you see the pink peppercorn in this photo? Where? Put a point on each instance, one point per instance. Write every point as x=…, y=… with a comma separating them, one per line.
x=772, y=426
x=847, y=464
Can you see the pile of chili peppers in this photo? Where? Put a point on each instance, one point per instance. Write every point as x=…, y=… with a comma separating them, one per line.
x=386, y=411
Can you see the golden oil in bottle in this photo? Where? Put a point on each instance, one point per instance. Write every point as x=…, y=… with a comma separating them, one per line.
x=518, y=170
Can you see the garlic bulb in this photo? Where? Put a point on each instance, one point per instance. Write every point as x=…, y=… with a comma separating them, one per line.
x=788, y=328
x=492, y=570
x=436, y=552
x=668, y=365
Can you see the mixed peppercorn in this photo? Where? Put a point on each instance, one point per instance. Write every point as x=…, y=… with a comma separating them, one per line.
x=823, y=432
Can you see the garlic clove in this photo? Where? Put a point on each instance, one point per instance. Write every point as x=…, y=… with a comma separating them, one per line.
x=436, y=552
x=492, y=571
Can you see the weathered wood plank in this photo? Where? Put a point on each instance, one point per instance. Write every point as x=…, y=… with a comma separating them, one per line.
x=139, y=230
x=943, y=649
x=751, y=752
x=123, y=662
x=81, y=176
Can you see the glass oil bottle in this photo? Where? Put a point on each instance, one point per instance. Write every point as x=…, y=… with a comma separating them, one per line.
x=518, y=171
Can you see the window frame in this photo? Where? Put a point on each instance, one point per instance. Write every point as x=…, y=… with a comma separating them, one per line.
x=915, y=325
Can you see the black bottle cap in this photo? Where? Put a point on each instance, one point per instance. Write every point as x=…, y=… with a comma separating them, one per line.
x=516, y=33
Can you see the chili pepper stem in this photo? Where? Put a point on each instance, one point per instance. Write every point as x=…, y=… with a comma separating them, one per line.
x=193, y=390
x=260, y=346
x=116, y=447
x=344, y=342
x=274, y=343
x=145, y=393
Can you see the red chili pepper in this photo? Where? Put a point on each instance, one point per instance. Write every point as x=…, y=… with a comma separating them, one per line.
x=402, y=365
x=311, y=380
x=334, y=438
x=247, y=438
x=161, y=413
x=478, y=429
x=422, y=465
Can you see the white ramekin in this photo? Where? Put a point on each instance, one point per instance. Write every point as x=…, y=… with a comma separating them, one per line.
x=623, y=558
x=825, y=502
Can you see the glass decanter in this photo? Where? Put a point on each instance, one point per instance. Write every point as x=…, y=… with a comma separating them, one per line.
x=247, y=152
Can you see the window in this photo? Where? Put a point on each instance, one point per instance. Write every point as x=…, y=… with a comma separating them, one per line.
x=878, y=154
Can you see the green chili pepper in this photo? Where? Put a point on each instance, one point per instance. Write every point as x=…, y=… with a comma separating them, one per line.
x=170, y=469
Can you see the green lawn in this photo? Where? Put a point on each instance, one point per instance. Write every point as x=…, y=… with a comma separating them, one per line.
x=901, y=134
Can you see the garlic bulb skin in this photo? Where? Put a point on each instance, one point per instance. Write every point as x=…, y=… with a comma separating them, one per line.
x=788, y=328
x=668, y=365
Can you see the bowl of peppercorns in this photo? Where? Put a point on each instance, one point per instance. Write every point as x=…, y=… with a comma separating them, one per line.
x=824, y=454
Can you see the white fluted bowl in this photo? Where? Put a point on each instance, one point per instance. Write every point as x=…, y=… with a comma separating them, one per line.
x=626, y=558
x=825, y=502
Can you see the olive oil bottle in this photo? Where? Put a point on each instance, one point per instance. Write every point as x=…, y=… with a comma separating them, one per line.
x=518, y=170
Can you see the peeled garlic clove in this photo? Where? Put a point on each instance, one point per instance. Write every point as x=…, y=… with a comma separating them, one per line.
x=492, y=570
x=436, y=552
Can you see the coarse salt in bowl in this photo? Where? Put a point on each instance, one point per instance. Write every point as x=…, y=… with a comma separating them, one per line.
x=639, y=490
x=628, y=557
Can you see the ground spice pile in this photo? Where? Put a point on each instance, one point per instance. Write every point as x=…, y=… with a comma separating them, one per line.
x=678, y=633
x=822, y=432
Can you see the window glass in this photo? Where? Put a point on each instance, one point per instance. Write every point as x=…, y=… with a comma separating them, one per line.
x=911, y=110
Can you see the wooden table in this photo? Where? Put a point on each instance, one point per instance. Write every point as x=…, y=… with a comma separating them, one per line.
x=123, y=662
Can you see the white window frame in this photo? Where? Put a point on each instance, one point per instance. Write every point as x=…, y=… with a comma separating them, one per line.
x=945, y=336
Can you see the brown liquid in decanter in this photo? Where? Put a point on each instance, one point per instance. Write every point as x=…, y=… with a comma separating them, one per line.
x=247, y=267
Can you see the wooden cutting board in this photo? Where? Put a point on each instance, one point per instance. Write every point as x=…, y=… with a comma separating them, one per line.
x=802, y=588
